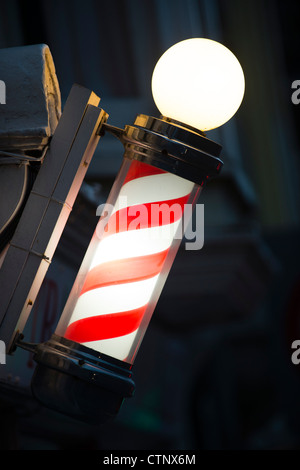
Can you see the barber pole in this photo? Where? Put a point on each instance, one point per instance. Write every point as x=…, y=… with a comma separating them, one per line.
x=85, y=369
x=92, y=351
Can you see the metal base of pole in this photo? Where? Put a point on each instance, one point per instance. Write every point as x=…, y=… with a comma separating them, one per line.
x=80, y=382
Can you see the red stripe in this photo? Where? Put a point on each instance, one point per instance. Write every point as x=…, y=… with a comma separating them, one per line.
x=139, y=169
x=124, y=270
x=105, y=326
x=151, y=214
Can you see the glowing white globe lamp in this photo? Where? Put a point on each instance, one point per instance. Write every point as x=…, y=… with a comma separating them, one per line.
x=198, y=82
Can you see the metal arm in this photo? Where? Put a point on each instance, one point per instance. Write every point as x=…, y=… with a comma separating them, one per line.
x=47, y=209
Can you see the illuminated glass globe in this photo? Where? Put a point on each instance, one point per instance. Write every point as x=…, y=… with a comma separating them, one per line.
x=198, y=82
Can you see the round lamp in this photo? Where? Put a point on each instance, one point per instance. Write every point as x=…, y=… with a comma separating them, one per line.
x=198, y=82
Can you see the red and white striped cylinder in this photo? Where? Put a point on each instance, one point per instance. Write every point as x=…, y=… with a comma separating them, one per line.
x=128, y=260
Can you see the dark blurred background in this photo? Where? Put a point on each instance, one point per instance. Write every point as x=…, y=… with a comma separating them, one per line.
x=214, y=370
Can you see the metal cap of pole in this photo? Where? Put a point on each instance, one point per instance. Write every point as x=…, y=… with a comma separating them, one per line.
x=171, y=146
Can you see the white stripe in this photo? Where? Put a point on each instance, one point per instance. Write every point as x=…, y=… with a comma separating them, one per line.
x=118, y=348
x=135, y=243
x=153, y=188
x=113, y=299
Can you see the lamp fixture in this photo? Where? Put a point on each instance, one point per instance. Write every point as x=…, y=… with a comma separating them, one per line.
x=199, y=82
x=85, y=368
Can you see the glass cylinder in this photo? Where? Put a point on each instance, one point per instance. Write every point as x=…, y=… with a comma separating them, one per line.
x=128, y=260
